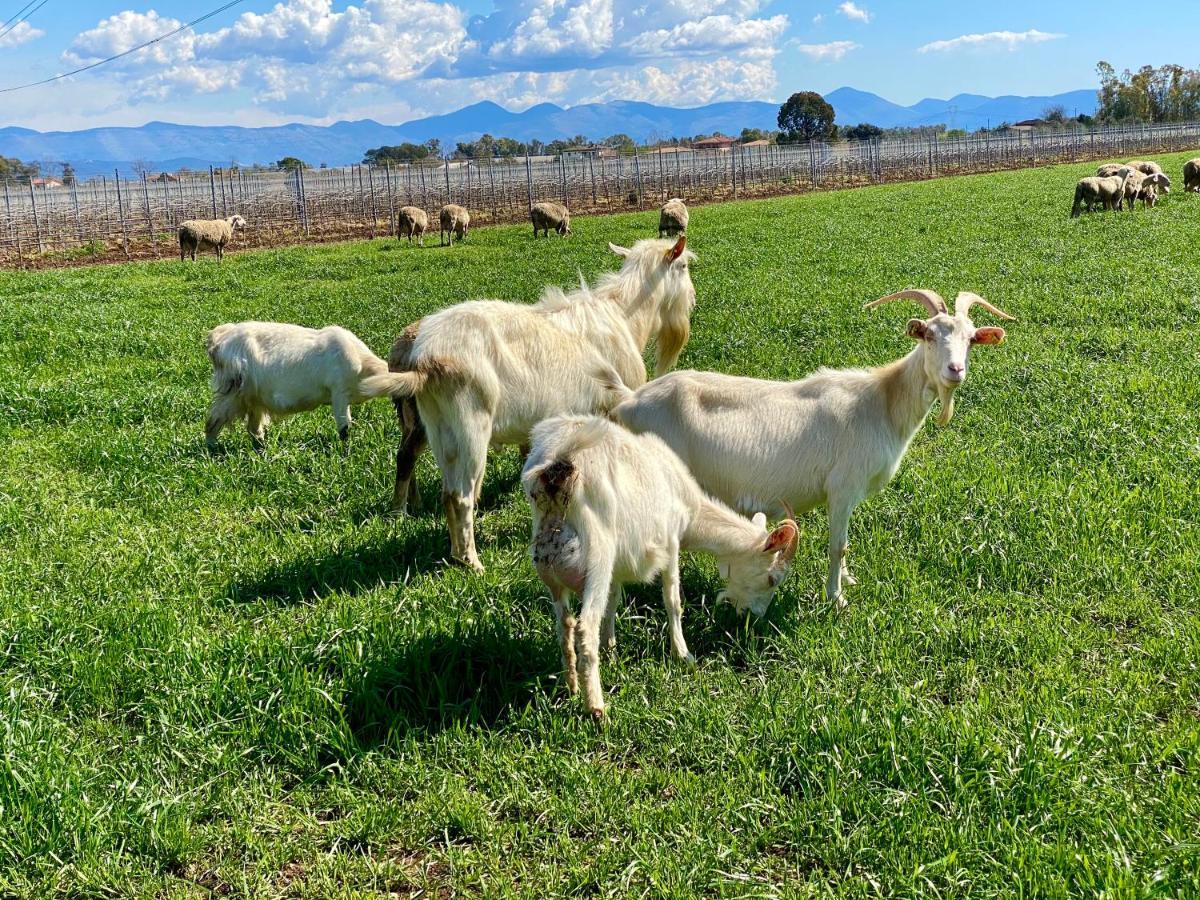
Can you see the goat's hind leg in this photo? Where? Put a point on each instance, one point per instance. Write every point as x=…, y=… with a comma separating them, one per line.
x=226, y=408
x=593, y=605
x=673, y=601
x=413, y=442
x=565, y=619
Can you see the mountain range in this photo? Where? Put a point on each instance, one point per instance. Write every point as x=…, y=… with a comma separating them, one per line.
x=165, y=146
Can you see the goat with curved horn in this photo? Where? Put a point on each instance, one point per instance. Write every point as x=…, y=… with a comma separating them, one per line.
x=966, y=299
x=932, y=300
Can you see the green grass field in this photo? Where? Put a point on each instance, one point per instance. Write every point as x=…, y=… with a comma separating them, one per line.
x=231, y=674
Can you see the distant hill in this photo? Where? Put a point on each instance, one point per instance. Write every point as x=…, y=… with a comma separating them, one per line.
x=161, y=145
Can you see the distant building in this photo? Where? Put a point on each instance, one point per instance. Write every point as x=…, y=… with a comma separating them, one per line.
x=716, y=142
x=759, y=143
x=48, y=183
x=670, y=149
x=1028, y=125
x=599, y=151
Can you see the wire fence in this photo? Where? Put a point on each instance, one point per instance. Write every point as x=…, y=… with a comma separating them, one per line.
x=44, y=223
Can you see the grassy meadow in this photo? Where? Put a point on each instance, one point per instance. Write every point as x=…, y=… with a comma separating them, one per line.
x=231, y=674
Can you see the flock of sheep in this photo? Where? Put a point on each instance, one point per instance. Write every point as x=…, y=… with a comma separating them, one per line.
x=1114, y=185
x=621, y=473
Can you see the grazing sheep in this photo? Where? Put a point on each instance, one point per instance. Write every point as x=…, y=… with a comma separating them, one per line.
x=831, y=439
x=412, y=222
x=1108, y=170
x=485, y=372
x=1138, y=186
x=207, y=234
x=1146, y=168
x=1191, y=175
x=549, y=217
x=265, y=370
x=1091, y=191
x=672, y=218
x=611, y=507
x=454, y=221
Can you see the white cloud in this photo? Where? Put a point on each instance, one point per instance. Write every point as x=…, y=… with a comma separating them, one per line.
x=304, y=58
x=20, y=34
x=833, y=51
x=851, y=10
x=1009, y=40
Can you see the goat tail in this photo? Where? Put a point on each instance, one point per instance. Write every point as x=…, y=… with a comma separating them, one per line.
x=228, y=363
x=393, y=384
x=610, y=380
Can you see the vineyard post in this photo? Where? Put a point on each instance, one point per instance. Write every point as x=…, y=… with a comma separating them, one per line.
x=75, y=201
x=592, y=174
x=387, y=172
x=562, y=167
x=121, y=212
x=529, y=180
x=149, y=215
x=449, y=199
x=637, y=169
x=16, y=232
x=371, y=188
x=37, y=228
x=212, y=186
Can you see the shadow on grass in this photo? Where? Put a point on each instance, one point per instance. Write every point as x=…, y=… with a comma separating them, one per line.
x=358, y=568
x=473, y=676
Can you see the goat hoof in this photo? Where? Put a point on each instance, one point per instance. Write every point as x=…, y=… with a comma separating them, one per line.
x=847, y=578
x=598, y=715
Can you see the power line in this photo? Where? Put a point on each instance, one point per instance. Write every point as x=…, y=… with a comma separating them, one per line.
x=149, y=43
x=14, y=22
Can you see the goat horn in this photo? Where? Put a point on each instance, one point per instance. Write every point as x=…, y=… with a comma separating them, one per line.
x=932, y=301
x=965, y=300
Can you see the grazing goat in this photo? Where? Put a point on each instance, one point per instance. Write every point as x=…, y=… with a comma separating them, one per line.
x=831, y=439
x=485, y=372
x=1106, y=191
x=265, y=370
x=1191, y=175
x=610, y=508
x=207, y=234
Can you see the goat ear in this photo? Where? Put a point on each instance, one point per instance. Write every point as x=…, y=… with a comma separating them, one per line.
x=988, y=335
x=917, y=329
x=781, y=538
x=618, y=249
x=760, y=520
x=676, y=250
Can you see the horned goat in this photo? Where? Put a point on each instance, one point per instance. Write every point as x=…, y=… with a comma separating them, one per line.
x=831, y=439
x=611, y=508
x=267, y=370
x=485, y=372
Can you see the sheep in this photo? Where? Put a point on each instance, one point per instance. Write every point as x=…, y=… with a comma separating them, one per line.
x=1144, y=187
x=673, y=218
x=610, y=507
x=207, y=234
x=455, y=220
x=1108, y=170
x=412, y=222
x=831, y=439
x=1191, y=175
x=1089, y=191
x=550, y=216
x=266, y=370
x=1146, y=168
x=485, y=372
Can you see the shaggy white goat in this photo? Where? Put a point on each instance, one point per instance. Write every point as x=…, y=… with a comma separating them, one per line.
x=831, y=439
x=265, y=370
x=485, y=372
x=611, y=508
x=207, y=234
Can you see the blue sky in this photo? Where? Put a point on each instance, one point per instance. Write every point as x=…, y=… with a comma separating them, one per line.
x=273, y=61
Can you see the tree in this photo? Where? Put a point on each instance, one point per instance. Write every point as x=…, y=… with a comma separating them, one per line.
x=291, y=162
x=68, y=173
x=863, y=131
x=1056, y=114
x=405, y=152
x=805, y=116
x=619, y=141
x=1168, y=93
x=754, y=134
x=11, y=167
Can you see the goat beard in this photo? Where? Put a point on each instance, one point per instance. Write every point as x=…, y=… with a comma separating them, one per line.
x=946, y=398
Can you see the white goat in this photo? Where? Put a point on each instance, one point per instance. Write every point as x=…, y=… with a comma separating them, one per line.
x=265, y=370
x=831, y=439
x=485, y=372
x=610, y=508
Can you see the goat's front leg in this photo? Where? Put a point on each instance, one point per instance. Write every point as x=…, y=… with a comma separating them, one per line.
x=839, y=527
x=341, y=415
x=673, y=602
x=594, y=603
x=256, y=427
